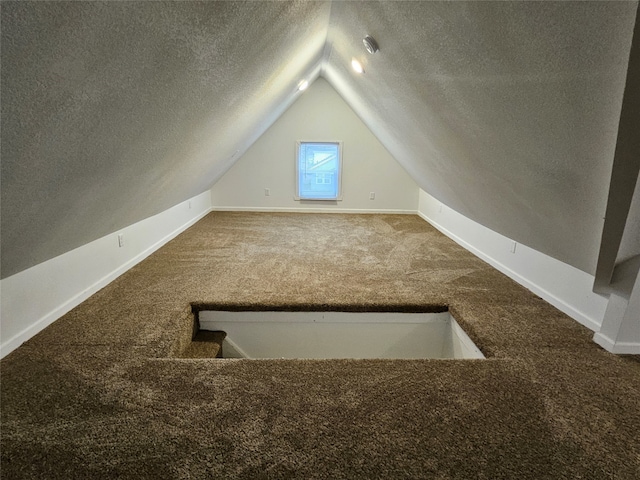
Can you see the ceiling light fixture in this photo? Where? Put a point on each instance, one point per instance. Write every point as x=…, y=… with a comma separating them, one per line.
x=302, y=86
x=357, y=66
x=370, y=44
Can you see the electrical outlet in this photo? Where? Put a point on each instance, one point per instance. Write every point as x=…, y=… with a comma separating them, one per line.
x=513, y=247
x=189, y=204
x=267, y=192
x=120, y=240
x=372, y=195
x=439, y=208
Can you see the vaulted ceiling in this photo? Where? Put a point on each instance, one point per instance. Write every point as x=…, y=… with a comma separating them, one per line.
x=507, y=112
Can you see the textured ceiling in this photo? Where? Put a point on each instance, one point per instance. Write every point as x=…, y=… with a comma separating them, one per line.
x=505, y=111
x=116, y=111
x=112, y=112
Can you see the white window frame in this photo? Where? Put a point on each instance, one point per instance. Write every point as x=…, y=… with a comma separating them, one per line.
x=338, y=197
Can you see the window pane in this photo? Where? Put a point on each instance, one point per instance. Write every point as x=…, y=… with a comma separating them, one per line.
x=318, y=171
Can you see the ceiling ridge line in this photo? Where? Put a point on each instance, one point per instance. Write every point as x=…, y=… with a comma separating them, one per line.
x=327, y=49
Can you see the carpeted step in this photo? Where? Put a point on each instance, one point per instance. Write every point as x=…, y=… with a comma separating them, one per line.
x=205, y=344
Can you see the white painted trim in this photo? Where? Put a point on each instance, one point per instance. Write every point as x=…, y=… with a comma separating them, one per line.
x=621, y=348
x=534, y=270
x=537, y=289
x=36, y=297
x=312, y=210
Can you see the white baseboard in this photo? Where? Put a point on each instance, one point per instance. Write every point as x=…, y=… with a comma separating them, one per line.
x=621, y=348
x=565, y=287
x=313, y=210
x=36, y=297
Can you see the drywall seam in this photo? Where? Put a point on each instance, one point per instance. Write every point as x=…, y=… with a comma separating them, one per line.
x=311, y=209
x=620, y=348
x=36, y=297
x=534, y=270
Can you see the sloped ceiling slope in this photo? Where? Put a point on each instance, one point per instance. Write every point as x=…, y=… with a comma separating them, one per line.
x=505, y=111
x=115, y=111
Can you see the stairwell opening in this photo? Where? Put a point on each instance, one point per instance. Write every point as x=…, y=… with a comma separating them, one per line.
x=332, y=335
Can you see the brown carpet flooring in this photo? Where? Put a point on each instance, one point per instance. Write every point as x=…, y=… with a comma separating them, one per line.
x=103, y=392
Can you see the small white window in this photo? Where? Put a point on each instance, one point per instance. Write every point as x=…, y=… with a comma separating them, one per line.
x=318, y=170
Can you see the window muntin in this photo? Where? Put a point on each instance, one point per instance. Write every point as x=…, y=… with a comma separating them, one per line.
x=318, y=170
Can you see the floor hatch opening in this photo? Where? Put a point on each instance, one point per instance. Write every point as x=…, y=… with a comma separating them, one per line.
x=333, y=335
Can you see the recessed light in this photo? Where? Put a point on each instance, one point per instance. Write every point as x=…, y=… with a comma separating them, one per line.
x=357, y=66
x=303, y=85
x=370, y=44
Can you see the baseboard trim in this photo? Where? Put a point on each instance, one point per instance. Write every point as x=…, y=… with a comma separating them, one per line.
x=548, y=296
x=314, y=210
x=620, y=348
x=71, y=302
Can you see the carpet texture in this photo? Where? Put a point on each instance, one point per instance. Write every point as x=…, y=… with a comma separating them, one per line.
x=105, y=391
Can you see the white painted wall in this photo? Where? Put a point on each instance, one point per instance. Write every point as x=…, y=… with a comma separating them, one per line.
x=319, y=114
x=565, y=287
x=36, y=297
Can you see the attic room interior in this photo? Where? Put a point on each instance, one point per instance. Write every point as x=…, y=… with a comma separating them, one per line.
x=164, y=161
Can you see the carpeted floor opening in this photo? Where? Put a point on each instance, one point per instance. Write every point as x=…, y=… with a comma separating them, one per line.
x=267, y=334
x=102, y=393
